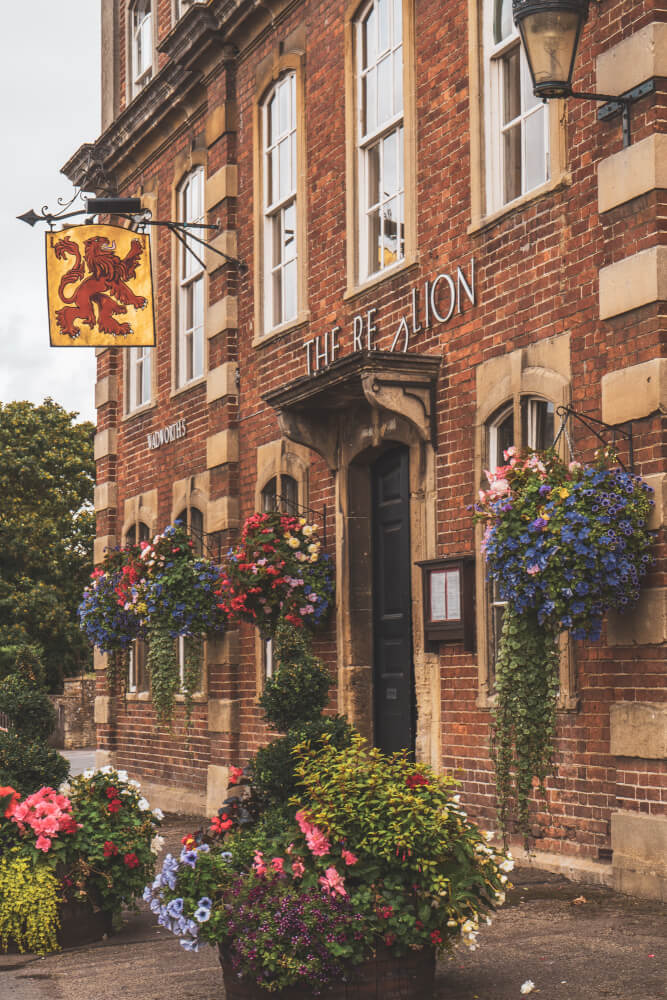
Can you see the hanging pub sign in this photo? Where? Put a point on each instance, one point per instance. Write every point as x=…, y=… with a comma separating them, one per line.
x=100, y=290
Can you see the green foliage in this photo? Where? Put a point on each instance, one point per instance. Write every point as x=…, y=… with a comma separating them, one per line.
x=112, y=856
x=524, y=718
x=46, y=532
x=27, y=766
x=162, y=665
x=30, y=711
x=29, y=897
x=24, y=658
x=273, y=768
x=298, y=691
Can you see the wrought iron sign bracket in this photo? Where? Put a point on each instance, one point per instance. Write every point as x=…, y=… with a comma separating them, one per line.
x=139, y=218
x=622, y=103
x=595, y=426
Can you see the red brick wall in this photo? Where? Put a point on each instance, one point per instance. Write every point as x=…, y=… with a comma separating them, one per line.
x=537, y=277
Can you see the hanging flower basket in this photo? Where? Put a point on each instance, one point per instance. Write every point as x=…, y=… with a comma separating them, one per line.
x=568, y=542
x=278, y=571
x=563, y=545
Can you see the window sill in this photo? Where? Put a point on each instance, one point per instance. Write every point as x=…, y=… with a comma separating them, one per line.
x=199, y=698
x=179, y=390
x=391, y=272
x=303, y=319
x=564, y=180
x=137, y=696
x=139, y=411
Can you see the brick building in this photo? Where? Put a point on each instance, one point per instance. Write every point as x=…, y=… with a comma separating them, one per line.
x=435, y=262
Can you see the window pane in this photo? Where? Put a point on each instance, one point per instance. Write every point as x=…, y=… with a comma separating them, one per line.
x=289, y=287
x=537, y=421
x=284, y=109
x=511, y=86
x=512, y=162
x=277, y=297
x=274, y=175
x=269, y=496
x=385, y=89
x=390, y=245
x=503, y=25
x=373, y=171
x=283, y=152
x=369, y=33
x=369, y=102
x=383, y=25
x=535, y=153
x=272, y=121
x=289, y=490
x=143, y=532
x=276, y=230
x=528, y=99
x=197, y=530
x=390, y=153
x=398, y=21
x=293, y=161
x=289, y=232
x=146, y=377
x=373, y=241
x=398, y=80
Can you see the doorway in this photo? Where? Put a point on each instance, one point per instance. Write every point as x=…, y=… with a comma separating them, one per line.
x=393, y=669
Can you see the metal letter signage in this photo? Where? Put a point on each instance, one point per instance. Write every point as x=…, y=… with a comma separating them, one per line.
x=100, y=290
x=172, y=432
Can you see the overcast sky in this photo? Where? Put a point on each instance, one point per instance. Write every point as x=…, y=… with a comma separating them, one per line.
x=49, y=105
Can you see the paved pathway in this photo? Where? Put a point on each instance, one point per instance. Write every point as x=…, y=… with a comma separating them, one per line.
x=80, y=760
x=575, y=942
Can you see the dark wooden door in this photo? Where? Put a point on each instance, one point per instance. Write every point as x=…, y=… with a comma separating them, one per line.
x=393, y=675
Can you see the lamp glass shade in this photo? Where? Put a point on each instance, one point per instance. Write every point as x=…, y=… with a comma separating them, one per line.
x=550, y=40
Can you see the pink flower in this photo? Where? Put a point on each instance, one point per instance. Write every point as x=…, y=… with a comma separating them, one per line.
x=43, y=844
x=332, y=882
x=278, y=865
x=317, y=842
x=348, y=857
x=258, y=864
x=304, y=825
x=297, y=869
x=533, y=569
x=235, y=775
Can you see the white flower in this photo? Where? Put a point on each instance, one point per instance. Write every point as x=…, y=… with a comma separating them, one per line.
x=503, y=879
x=65, y=788
x=456, y=799
x=488, y=835
x=107, y=769
x=507, y=865
x=527, y=987
x=158, y=814
x=143, y=804
x=122, y=776
x=157, y=843
x=500, y=898
x=88, y=774
x=133, y=783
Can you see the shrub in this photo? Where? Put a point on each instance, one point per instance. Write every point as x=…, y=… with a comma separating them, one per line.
x=30, y=711
x=27, y=766
x=25, y=659
x=274, y=779
x=298, y=691
x=28, y=904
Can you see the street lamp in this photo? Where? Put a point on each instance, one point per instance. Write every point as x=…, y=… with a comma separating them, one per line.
x=550, y=31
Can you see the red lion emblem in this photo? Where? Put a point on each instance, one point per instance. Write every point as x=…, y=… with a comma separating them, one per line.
x=105, y=287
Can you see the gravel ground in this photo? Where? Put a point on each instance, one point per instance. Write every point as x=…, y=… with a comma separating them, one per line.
x=574, y=941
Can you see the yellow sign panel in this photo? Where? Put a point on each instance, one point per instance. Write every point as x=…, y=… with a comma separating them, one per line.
x=100, y=288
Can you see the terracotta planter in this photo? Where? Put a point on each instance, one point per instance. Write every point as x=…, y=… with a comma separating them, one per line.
x=384, y=977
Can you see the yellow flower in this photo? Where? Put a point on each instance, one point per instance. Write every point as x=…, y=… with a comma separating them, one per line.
x=293, y=542
x=563, y=493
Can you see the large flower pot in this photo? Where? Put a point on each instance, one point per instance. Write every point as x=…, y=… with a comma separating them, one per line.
x=79, y=924
x=384, y=977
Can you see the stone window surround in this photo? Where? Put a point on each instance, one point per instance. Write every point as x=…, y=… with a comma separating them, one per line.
x=130, y=91
x=559, y=175
x=354, y=283
x=268, y=74
x=541, y=370
x=184, y=164
x=276, y=458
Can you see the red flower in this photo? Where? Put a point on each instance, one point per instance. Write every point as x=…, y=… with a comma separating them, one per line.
x=220, y=824
x=110, y=849
x=413, y=780
x=436, y=937
x=112, y=793
x=131, y=860
x=114, y=805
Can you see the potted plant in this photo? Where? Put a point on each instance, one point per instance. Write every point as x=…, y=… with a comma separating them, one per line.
x=564, y=543
x=377, y=869
x=278, y=571
x=73, y=859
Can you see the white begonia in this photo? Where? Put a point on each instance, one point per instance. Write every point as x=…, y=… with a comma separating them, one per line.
x=122, y=776
x=88, y=773
x=107, y=769
x=65, y=788
x=143, y=804
x=133, y=783
x=500, y=898
x=157, y=843
x=489, y=835
x=527, y=987
x=158, y=814
x=507, y=865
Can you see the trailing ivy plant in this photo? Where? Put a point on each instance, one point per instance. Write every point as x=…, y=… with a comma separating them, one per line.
x=162, y=665
x=525, y=712
x=563, y=544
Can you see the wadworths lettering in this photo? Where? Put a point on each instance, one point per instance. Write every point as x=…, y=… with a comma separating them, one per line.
x=172, y=432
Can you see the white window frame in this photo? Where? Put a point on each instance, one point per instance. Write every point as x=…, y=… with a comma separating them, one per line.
x=138, y=384
x=276, y=209
x=191, y=287
x=377, y=136
x=495, y=129
x=141, y=41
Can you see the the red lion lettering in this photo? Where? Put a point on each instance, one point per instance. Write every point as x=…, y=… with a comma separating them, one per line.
x=105, y=287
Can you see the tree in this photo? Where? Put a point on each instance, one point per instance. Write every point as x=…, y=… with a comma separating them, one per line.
x=47, y=472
